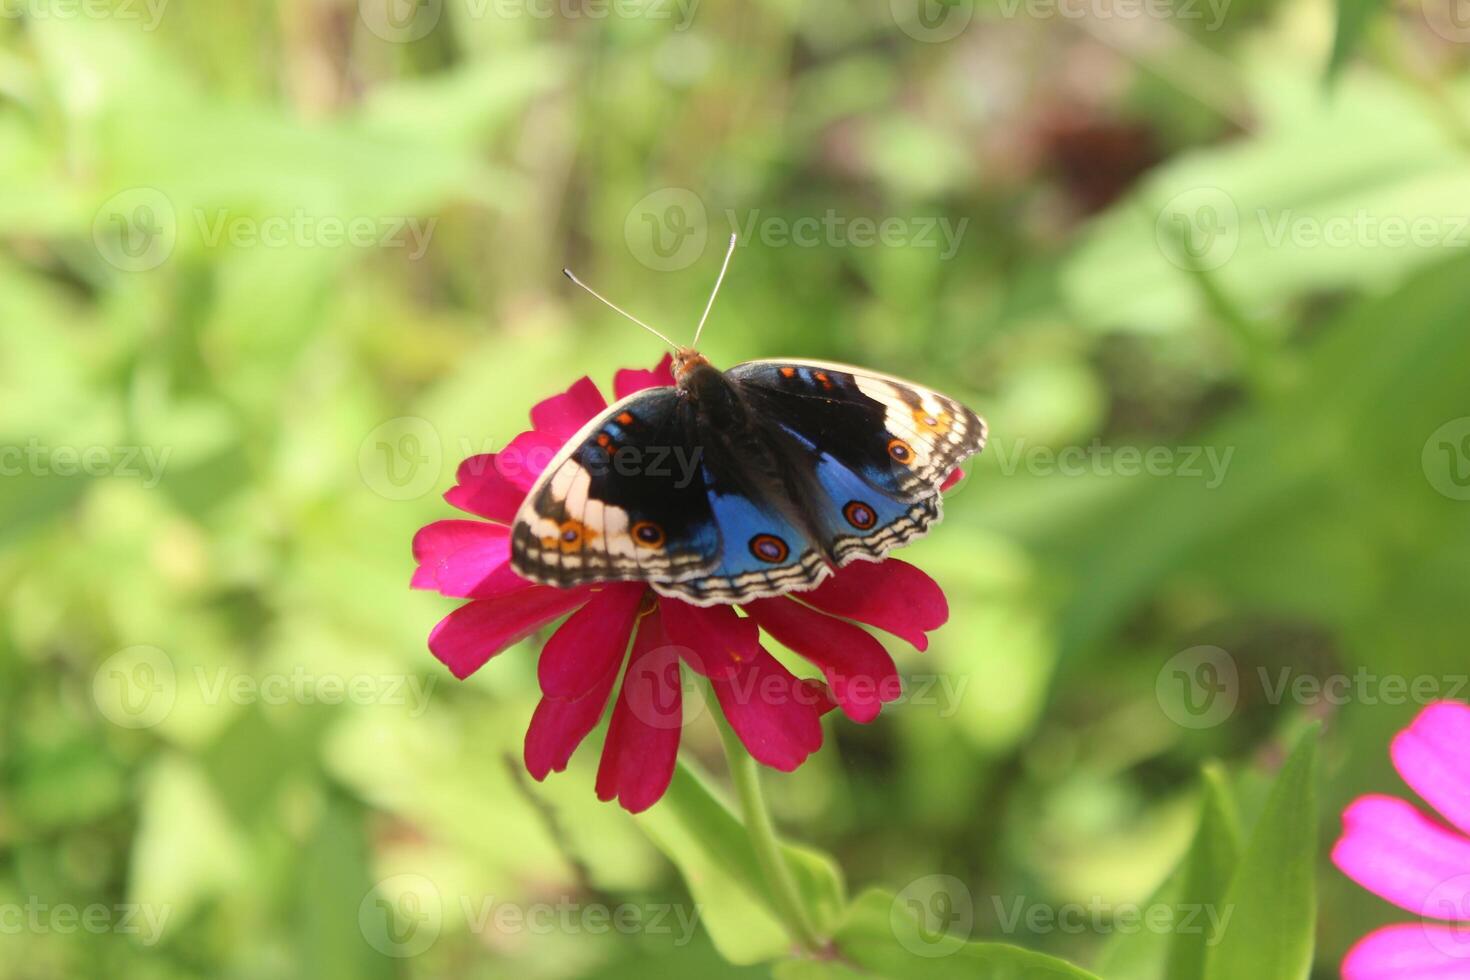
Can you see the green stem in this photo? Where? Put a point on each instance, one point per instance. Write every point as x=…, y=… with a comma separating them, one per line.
x=762, y=831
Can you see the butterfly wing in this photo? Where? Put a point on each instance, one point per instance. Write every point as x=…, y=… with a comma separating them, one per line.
x=899, y=438
x=625, y=499
x=644, y=493
x=880, y=447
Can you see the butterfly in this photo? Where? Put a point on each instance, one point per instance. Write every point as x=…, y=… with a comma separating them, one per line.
x=743, y=484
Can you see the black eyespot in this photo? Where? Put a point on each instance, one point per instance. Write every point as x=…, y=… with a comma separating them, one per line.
x=649, y=534
x=769, y=549
x=901, y=451
x=860, y=515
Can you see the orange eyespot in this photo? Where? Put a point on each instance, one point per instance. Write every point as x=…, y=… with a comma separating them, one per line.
x=860, y=515
x=769, y=549
x=649, y=534
x=901, y=452
x=625, y=418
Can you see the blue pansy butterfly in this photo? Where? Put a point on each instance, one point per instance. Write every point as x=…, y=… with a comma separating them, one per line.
x=743, y=484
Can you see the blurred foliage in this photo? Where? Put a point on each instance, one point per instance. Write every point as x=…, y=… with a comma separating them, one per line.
x=269, y=270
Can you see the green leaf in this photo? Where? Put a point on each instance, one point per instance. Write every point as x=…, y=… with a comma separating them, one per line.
x=1271, y=902
x=703, y=837
x=882, y=936
x=1199, y=882
x=1353, y=18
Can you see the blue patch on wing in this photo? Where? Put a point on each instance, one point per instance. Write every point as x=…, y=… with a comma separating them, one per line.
x=746, y=529
x=853, y=503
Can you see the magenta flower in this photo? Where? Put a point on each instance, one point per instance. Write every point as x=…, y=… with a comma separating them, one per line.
x=775, y=714
x=1392, y=849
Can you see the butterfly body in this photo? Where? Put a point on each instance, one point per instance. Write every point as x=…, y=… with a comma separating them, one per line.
x=743, y=484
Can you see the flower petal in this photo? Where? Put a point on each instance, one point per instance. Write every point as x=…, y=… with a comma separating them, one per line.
x=1396, y=852
x=526, y=458
x=560, y=417
x=952, y=481
x=776, y=715
x=1412, y=951
x=559, y=726
x=860, y=673
x=592, y=642
x=713, y=640
x=478, y=630
x=892, y=595
x=1433, y=756
x=482, y=491
x=643, y=737
x=466, y=559
x=629, y=381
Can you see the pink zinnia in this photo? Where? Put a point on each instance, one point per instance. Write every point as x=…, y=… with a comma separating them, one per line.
x=775, y=714
x=1392, y=849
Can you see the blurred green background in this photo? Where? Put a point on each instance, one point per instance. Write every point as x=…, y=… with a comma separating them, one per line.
x=269, y=271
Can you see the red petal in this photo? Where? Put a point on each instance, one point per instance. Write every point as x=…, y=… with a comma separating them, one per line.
x=776, y=715
x=1399, y=854
x=526, y=458
x=465, y=559
x=592, y=642
x=561, y=416
x=860, y=673
x=643, y=737
x=893, y=595
x=1412, y=951
x=558, y=726
x=629, y=381
x=714, y=640
x=484, y=492
x=478, y=630
x=952, y=480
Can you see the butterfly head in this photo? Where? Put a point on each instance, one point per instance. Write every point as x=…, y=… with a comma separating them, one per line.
x=686, y=360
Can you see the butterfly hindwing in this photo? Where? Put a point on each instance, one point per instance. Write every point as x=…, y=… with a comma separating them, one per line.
x=901, y=439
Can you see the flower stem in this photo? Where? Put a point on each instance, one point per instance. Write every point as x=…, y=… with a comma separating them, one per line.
x=762, y=831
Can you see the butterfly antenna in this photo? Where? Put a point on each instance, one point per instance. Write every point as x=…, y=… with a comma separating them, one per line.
x=568, y=273
x=711, y=304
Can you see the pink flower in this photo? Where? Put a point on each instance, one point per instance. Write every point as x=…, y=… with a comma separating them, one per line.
x=1392, y=849
x=775, y=714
